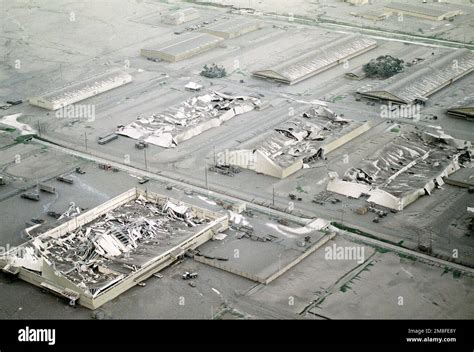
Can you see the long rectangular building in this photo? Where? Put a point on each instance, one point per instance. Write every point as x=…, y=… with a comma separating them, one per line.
x=189, y=46
x=81, y=90
x=286, y=149
x=432, y=12
x=232, y=28
x=410, y=166
x=318, y=60
x=190, y=118
x=419, y=82
x=97, y=255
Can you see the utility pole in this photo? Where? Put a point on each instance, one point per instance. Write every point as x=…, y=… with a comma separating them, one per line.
x=144, y=152
x=85, y=140
x=39, y=128
x=273, y=194
x=214, y=148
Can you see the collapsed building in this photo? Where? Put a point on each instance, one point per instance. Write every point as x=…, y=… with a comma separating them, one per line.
x=296, y=142
x=97, y=255
x=418, y=83
x=410, y=166
x=188, y=119
x=81, y=90
x=318, y=60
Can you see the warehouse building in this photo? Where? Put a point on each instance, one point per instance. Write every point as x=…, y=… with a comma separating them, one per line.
x=463, y=109
x=97, y=255
x=82, y=90
x=412, y=165
x=319, y=60
x=192, y=117
x=181, y=16
x=418, y=83
x=302, y=139
x=190, y=45
x=232, y=28
x=427, y=11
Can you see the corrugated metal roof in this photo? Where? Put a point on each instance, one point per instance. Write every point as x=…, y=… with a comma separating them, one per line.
x=68, y=93
x=319, y=60
x=416, y=83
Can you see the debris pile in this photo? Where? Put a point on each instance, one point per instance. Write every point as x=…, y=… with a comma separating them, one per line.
x=98, y=255
x=188, y=119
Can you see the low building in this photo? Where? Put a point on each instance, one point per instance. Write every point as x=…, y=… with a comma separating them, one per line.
x=427, y=11
x=81, y=90
x=96, y=256
x=187, y=46
x=232, y=28
x=298, y=141
x=410, y=166
x=318, y=60
x=180, y=16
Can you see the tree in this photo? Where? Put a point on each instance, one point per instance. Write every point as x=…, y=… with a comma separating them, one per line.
x=214, y=71
x=383, y=67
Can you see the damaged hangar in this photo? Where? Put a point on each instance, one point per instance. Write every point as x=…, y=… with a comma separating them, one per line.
x=418, y=83
x=410, y=166
x=97, y=255
x=318, y=60
x=286, y=149
x=188, y=119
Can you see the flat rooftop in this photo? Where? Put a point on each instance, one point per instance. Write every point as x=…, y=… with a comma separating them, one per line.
x=433, y=10
x=187, y=43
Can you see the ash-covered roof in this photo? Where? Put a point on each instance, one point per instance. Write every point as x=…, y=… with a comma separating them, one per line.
x=320, y=59
x=418, y=83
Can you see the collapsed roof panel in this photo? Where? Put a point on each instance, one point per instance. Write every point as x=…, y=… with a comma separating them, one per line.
x=105, y=251
x=320, y=59
x=410, y=166
x=299, y=140
x=188, y=119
